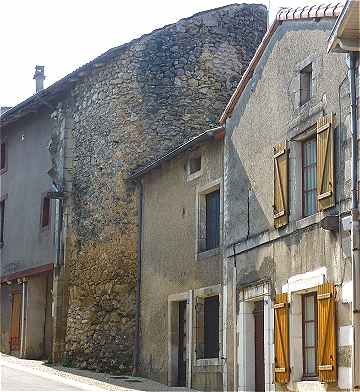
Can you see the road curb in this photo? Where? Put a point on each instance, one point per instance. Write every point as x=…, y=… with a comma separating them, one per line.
x=54, y=377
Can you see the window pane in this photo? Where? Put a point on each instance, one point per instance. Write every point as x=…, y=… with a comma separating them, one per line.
x=211, y=327
x=310, y=361
x=212, y=220
x=309, y=177
x=309, y=308
x=309, y=334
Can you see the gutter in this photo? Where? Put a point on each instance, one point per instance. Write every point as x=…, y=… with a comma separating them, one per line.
x=138, y=283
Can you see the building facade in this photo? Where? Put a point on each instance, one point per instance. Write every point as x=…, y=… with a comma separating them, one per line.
x=27, y=246
x=181, y=301
x=123, y=109
x=287, y=193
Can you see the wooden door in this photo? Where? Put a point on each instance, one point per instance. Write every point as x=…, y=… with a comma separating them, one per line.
x=259, y=347
x=15, y=322
x=182, y=345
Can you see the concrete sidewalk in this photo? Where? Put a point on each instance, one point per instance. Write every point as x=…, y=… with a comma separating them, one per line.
x=85, y=379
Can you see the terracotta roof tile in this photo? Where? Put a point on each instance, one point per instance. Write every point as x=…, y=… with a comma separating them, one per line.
x=313, y=11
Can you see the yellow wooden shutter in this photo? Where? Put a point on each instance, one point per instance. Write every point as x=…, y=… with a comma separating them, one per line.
x=280, y=186
x=281, y=328
x=326, y=353
x=325, y=162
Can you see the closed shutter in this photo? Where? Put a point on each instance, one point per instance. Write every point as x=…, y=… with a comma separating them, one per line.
x=280, y=186
x=326, y=357
x=281, y=316
x=325, y=162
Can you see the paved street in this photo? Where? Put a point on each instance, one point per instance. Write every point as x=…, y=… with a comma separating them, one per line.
x=17, y=380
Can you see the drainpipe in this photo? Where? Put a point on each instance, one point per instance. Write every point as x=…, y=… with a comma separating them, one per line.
x=355, y=229
x=138, y=282
x=23, y=319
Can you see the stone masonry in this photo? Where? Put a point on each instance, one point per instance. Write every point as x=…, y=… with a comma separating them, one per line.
x=124, y=109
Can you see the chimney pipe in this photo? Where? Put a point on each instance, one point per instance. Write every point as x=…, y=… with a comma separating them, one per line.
x=39, y=77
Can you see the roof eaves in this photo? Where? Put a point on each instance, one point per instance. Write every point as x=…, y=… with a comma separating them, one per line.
x=207, y=135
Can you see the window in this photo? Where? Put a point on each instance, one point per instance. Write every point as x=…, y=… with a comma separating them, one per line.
x=309, y=195
x=45, y=212
x=2, y=222
x=194, y=165
x=309, y=312
x=3, y=157
x=207, y=327
x=212, y=220
x=305, y=84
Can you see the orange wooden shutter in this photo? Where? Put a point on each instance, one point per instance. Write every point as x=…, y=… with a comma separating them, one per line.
x=280, y=186
x=281, y=328
x=326, y=353
x=325, y=162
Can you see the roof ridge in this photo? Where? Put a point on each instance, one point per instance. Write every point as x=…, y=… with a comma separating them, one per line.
x=310, y=11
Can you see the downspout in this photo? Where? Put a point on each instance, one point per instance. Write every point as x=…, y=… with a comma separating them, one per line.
x=354, y=228
x=138, y=282
x=234, y=295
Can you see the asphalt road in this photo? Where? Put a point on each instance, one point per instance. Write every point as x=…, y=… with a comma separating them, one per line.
x=16, y=380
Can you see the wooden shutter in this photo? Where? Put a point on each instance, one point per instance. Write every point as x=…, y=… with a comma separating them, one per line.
x=325, y=162
x=281, y=328
x=326, y=353
x=280, y=186
x=15, y=322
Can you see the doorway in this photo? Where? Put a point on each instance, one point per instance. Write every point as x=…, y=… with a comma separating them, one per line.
x=15, y=325
x=181, y=380
x=259, y=346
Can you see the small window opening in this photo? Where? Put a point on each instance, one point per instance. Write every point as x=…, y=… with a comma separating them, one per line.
x=309, y=177
x=305, y=84
x=208, y=327
x=45, y=215
x=194, y=164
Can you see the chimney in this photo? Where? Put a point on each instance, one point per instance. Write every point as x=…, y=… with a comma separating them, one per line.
x=39, y=77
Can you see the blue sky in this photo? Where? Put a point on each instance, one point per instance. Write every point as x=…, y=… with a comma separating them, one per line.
x=62, y=35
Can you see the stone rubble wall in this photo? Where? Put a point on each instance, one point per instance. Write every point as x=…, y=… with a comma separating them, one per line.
x=151, y=95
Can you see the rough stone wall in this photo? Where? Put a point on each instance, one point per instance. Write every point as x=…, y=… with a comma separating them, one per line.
x=148, y=96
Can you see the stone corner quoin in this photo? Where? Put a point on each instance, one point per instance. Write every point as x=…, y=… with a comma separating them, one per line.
x=145, y=98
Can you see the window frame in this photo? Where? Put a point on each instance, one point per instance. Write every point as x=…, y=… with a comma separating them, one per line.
x=303, y=142
x=194, y=155
x=200, y=251
x=201, y=294
x=306, y=376
x=306, y=74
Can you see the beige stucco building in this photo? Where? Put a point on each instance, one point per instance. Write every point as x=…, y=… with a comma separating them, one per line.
x=287, y=194
x=181, y=265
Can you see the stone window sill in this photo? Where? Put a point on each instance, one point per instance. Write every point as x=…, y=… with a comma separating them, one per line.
x=304, y=386
x=195, y=175
x=308, y=221
x=208, y=253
